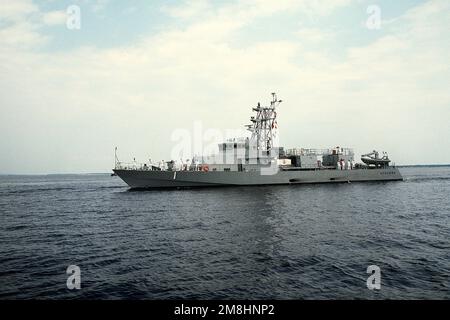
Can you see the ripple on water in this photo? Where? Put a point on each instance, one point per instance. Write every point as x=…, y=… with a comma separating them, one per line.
x=232, y=243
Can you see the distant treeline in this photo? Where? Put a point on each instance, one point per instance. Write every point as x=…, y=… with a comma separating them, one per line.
x=422, y=165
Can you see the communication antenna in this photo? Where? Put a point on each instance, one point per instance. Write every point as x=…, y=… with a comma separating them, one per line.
x=264, y=125
x=116, y=160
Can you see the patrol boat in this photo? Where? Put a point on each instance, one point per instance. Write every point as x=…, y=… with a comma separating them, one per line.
x=258, y=160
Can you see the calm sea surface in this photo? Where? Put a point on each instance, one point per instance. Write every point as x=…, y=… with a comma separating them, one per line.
x=284, y=242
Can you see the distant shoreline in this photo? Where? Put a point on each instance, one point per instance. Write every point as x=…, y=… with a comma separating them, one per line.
x=422, y=165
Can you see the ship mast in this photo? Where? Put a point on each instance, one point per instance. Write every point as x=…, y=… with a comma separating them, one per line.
x=264, y=126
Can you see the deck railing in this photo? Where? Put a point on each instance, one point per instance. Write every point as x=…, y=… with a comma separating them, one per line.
x=136, y=166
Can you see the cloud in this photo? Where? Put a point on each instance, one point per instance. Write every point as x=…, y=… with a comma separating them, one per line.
x=66, y=111
x=54, y=18
x=188, y=9
x=23, y=34
x=16, y=10
x=314, y=35
x=23, y=22
x=98, y=5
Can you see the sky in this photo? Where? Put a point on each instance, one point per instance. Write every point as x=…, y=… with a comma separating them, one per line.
x=354, y=73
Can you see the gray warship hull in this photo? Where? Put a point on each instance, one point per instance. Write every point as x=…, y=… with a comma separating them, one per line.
x=148, y=179
x=259, y=160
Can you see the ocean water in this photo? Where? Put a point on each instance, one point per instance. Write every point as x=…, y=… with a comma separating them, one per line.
x=277, y=242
